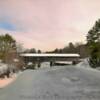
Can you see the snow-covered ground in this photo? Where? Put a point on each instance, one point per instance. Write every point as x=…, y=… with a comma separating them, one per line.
x=4, y=67
x=56, y=83
x=84, y=64
x=44, y=66
x=5, y=81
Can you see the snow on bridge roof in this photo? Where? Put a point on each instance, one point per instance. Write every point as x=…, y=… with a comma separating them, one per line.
x=48, y=55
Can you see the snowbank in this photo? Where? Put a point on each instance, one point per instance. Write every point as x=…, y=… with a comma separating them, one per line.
x=84, y=64
x=6, y=81
x=3, y=68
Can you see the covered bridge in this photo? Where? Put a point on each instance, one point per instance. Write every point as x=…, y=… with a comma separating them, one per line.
x=43, y=57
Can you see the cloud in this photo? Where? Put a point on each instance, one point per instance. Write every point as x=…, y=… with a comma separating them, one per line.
x=46, y=24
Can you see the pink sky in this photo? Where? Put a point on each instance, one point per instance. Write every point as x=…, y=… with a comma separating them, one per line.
x=49, y=24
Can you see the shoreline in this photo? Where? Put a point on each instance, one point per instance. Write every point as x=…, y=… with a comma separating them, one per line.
x=6, y=81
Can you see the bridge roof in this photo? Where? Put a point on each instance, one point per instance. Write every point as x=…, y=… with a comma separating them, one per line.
x=48, y=55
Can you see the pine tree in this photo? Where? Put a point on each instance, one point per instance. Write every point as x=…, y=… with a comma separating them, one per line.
x=93, y=42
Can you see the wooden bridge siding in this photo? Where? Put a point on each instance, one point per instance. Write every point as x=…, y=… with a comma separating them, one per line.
x=42, y=59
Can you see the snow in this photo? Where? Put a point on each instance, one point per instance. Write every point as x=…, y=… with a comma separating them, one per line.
x=63, y=62
x=84, y=63
x=3, y=68
x=49, y=55
x=6, y=81
x=45, y=65
x=63, y=83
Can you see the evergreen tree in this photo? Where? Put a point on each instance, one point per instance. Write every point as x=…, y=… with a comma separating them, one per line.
x=32, y=50
x=39, y=51
x=93, y=42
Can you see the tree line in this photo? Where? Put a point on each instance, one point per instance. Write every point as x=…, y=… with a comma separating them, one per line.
x=78, y=47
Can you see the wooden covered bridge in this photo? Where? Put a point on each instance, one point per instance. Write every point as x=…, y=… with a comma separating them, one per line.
x=50, y=57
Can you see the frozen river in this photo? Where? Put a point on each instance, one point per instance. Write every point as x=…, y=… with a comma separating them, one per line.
x=57, y=83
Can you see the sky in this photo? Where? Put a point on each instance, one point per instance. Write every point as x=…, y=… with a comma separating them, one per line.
x=48, y=24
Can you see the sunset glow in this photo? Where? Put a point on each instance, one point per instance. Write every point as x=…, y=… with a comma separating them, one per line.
x=48, y=24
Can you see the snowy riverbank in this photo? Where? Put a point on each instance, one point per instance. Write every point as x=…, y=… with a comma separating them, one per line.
x=6, y=81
